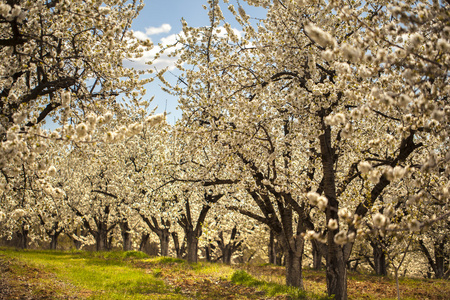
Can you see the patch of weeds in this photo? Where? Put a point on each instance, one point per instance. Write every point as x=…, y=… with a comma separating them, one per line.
x=168, y=260
x=135, y=254
x=242, y=277
x=217, y=270
x=267, y=265
x=272, y=289
x=157, y=272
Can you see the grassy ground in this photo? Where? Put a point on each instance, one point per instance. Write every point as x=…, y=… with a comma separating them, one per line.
x=133, y=275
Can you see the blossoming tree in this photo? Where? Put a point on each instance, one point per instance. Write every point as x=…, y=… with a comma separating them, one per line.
x=325, y=106
x=62, y=63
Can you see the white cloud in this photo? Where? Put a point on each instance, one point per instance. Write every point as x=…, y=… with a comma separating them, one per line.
x=171, y=39
x=164, y=28
x=140, y=35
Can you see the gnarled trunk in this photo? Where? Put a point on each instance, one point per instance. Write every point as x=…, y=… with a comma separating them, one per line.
x=336, y=273
x=101, y=236
x=192, y=245
x=293, y=261
x=438, y=263
x=379, y=259
x=272, y=249
x=179, y=250
x=54, y=241
x=164, y=236
x=126, y=235
x=228, y=248
x=23, y=238
x=318, y=252
x=101, y=241
x=144, y=239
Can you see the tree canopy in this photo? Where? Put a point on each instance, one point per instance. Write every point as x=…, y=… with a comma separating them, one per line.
x=325, y=121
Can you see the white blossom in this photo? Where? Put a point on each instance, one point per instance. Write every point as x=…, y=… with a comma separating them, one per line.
x=414, y=225
x=332, y=224
x=51, y=171
x=313, y=198
x=364, y=167
x=341, y=237
x=322, y=202
x=319, y=36
x=379, y=220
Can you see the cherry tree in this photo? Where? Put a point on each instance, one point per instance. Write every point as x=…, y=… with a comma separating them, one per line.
x=325, y=105
x=63, y=61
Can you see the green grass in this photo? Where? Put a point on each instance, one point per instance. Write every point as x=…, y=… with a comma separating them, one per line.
x=134, y=275
x=271, y=289
x=106, y=275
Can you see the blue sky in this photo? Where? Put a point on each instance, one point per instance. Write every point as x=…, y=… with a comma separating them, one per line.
x=160, y=22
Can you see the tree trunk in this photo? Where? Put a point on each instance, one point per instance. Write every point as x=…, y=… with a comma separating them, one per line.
x=336, y=273
x=110, y=241
x=164, y=236
x=379, y=259
x=144, y=240
x=101, y=237
x=23, y=238
x=397, y=286
x=336, y=264
x=54, y=241
x=76, y=242
x=439, y=249
x=208, y=252
x=293, y=269
x=192, y=246
x=438, y=264
x=178, y=249
x=272, y=249
x=126, y=235
x=317, y=253
x=226, y=254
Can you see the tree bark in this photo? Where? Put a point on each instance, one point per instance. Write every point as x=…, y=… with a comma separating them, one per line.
x=161, y=231
x=272, y=250
x=179, y=250
x=228, y=248
x=293, y=260
x=101, y=238
x=379, y=258
x=54, y=241
x=164, y=236
x=208, y=253
x=126, y=235
x=144, y=240
x=318, y=252
x=336, y=273
x=192, y=234
x=23, y=238
x=438, y=263
x=192, y=245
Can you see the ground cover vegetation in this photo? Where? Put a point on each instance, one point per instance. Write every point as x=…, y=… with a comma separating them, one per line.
x=44, y=274
x=317, y=136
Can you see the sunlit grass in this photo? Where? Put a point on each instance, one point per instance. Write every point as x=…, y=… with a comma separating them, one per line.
x=134, y=275
x=271, y=289
x=108, y=275
x=214, y=269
